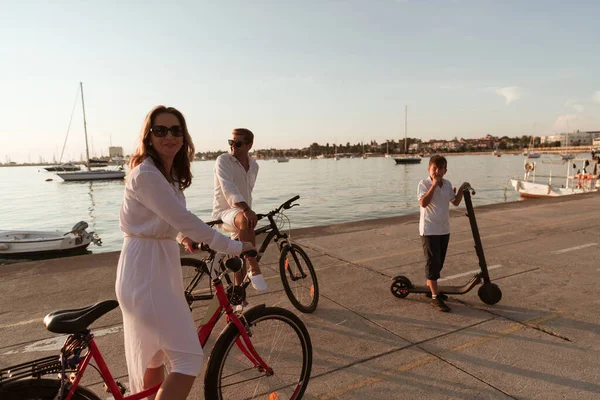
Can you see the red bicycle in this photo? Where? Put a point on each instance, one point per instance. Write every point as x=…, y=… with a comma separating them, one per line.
x=264, y=353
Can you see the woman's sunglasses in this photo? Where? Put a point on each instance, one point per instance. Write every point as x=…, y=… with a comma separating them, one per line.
x=162, y=131
x=236, y=143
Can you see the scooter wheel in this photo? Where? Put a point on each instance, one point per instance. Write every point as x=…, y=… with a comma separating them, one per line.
x=400, y=286
x=489, y=293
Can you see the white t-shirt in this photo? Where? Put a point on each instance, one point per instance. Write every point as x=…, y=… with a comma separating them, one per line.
x=435, y=218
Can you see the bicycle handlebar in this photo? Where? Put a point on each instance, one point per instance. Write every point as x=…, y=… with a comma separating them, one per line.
x=286, y=206
x=469, y=189
x=205, y=247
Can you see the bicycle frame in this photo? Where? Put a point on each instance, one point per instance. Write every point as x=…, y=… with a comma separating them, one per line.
x=272, y=232
x=220, y=304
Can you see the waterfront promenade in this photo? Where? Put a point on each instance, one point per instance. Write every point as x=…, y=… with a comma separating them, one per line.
x=541, y=341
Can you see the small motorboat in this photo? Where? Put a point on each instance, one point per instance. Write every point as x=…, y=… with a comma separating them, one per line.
x=24, y=243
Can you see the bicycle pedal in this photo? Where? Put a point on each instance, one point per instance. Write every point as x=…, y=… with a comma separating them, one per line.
x=121, y=387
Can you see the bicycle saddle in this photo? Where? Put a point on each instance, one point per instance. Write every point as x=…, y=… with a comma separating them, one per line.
x=77, y=320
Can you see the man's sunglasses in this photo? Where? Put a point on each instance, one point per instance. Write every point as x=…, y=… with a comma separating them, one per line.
x=236, y=143
x=162, y=131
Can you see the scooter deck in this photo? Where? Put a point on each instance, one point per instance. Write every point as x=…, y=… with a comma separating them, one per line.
x=446, y=289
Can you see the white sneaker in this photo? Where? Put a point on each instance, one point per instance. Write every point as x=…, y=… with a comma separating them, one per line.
x=258, y=282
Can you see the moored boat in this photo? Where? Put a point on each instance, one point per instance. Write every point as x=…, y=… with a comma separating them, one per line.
x=576, y=183
x=23, y=243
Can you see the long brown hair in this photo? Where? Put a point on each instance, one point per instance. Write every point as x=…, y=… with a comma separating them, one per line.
x=181, y=169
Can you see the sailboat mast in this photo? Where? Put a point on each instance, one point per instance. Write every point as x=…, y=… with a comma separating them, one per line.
x=87, y=151
x=405, y=129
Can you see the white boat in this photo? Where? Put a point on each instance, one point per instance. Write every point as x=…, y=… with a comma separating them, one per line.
x=24, y=243
x=406, y=158
x=576, y=183
x=90, y=175
x=63, y=167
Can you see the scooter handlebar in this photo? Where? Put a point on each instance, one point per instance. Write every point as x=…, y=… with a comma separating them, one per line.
x=469, y=189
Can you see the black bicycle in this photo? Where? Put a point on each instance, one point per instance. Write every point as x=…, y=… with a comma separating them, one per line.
x=295, y=268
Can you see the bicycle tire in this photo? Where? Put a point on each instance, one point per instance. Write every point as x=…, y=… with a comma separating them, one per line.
x=189, y=271
x=40, y=389
x=303, y=295
x=260, y=320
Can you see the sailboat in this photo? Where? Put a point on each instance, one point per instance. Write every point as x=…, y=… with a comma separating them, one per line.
x=531, y=153
x=406, y=159
x=90, y=175
x=566, y=156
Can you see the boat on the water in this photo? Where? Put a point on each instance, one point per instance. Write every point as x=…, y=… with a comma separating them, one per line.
x=406, y=158
x=578, y=181
x=63, y=167
x=24, y=243
x=91, y=175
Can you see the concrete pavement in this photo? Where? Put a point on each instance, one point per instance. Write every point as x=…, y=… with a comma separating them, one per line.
x=540, y=341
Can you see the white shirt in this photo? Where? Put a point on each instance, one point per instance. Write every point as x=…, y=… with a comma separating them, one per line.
x=435, y=218
x=233, y=184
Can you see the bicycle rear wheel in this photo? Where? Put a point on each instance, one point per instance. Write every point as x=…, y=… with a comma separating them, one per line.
x=196, y=281
x=40, y=389
x=281, y=339
x=299, y=278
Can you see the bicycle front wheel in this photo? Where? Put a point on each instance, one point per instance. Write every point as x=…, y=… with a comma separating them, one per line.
x=281, y=340
x=299, y=278
x=196, y=282
x=40, y=389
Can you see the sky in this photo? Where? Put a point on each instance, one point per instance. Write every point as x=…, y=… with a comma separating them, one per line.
x=294, y=72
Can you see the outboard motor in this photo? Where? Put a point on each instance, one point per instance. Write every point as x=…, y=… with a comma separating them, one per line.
x=79, y=227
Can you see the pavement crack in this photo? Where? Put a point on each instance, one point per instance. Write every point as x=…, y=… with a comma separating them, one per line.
x=524, y=323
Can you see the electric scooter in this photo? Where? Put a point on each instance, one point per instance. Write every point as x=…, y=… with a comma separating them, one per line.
x=489, y=292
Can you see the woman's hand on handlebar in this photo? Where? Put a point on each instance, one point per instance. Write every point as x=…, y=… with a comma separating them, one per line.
x=248, y=246
x=188, y=244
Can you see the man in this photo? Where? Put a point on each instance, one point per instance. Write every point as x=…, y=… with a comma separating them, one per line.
x=235, y=176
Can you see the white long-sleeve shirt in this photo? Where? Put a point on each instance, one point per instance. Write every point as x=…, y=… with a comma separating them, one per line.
x=233, y=184
x=149, y=284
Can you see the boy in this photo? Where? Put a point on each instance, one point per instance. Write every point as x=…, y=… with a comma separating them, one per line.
x=435, y=195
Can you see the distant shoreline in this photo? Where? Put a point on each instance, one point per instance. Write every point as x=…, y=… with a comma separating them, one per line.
x=576, y=150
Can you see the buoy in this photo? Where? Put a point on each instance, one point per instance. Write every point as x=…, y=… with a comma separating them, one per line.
x=529, y=166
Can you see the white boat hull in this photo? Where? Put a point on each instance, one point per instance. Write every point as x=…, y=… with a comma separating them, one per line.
x=541, y=190
x=20, y=243
x=91, y=175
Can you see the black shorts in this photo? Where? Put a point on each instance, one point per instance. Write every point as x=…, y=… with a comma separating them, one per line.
x=434, y=247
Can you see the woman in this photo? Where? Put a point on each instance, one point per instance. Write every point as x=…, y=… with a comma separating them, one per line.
x=156, y=318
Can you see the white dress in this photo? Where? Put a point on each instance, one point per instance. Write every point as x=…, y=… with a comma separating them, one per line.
x=149, y=283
